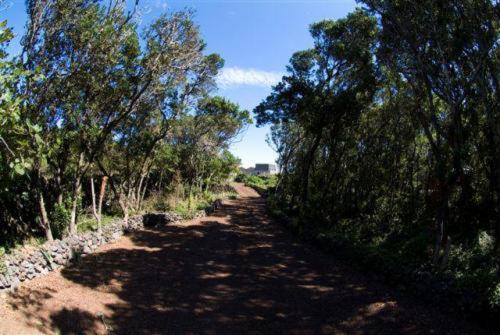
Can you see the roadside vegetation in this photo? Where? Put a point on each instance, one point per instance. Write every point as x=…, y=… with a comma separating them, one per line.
x=387, y=130
x=99, y=120
x=388, y=134
x=262, y=184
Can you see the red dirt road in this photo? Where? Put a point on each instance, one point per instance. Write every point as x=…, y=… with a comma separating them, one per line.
x=235, y=272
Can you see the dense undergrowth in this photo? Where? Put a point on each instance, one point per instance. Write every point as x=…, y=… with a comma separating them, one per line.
x=469, y=284
x=388, y=138
x=262, y=184
x=186, y=206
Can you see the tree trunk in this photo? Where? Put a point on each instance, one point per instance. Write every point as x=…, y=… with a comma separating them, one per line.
x=305, y=172
x=44, y=217
x=160, y=182
x=125, y=211
x=442, y=216
x=94, y=206
x=59, y=187
x=101, y=198
x=446, y=253
x=74, y=206
x=143, y=194
x=77, y=186
x=138, y=193
x=124, y=201
x=125, y=217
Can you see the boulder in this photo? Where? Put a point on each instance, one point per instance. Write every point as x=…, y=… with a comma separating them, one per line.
x=59, y=260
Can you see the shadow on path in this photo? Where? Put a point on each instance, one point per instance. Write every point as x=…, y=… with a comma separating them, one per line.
x=234, y=272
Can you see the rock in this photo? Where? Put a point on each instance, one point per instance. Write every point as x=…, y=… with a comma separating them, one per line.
x=3, y=282
x=71, y=253
x=87, y=250
x=14, y=283
x=59, y=259
x=26, y=264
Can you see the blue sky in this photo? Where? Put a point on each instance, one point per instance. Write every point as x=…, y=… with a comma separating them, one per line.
x=255, y=37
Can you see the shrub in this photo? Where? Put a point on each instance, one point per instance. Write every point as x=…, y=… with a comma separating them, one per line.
x=262, y=184
x=88, y=223
x=59, y=220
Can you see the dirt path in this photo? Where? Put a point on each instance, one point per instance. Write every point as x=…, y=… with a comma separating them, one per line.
x=231, y=273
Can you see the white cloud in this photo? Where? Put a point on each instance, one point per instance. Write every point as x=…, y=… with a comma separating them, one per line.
x=156, y=4
x=160, y=4
x=235, y=76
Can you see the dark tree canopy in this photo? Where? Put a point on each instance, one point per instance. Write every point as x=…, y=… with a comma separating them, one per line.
x=388, y=137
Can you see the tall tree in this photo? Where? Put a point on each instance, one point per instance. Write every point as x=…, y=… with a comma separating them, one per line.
x=325, y=91
x=446, y=50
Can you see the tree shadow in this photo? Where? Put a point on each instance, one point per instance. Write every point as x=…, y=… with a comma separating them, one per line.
x=235, y=271
x=76, y=321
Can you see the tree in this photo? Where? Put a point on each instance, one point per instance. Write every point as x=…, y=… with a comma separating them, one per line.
x=180, y=74
x=325, y=91
x=204, y=137
x=16, y=130
x=445, y=50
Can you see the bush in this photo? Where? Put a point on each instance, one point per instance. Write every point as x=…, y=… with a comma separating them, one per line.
x=470, y=281
x=59, y=220
x=187, y=206
x=262, y=184
x=88, y=222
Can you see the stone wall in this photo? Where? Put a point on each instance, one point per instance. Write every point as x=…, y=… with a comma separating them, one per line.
x=25, y=265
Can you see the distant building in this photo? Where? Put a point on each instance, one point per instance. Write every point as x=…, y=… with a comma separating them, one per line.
x=265, y=169
x=261, y=170
x=249, y=170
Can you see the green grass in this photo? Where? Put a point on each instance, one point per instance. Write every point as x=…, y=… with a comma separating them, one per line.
x=88, y=223
x=187, y=206
x=261, y=184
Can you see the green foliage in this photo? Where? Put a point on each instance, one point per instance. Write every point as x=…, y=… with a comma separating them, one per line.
x=16, y=154
x=261, y=184
x=92, y=98
x=495, y=296
x=87, y=223
x=59, y=220
x=387, y=135
x=48, y=258
x=188, y=205
x=14, y=128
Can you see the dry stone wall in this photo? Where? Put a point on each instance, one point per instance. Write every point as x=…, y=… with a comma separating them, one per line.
x=25, y=265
